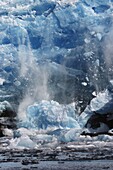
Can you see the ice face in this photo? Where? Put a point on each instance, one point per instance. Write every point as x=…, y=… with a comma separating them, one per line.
x=56, y=51
x=68, y=33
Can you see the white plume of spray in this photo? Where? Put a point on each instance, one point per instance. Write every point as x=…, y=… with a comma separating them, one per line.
x=108, y=52
x=37, y=77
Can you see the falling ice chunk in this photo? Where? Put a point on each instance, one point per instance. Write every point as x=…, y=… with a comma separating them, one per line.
x=99, y=36
x=2, y=81
x=84, y=83
x=87, y=40
x=17, y=83
x=94, y=93
x=111, y=82
x=97, y=63
x=89, y=54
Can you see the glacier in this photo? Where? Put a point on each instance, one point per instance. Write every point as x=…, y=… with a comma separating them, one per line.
x=67, y=35
x=56, y=67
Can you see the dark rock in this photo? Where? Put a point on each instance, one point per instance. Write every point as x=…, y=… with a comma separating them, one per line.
x=34, y=161
x=8, y=113
x=96, y=119
x=1, y=131
x=25, y=162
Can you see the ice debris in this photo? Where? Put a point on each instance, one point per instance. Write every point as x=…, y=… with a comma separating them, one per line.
x=47, y=114
x=22, y=142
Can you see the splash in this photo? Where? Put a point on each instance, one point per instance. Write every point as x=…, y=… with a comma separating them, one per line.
x=34, y=77
x=108, y=52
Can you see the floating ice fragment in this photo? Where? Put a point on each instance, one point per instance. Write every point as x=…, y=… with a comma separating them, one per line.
x=23, y=132
x=71, y=135
x=8, y=132
x=105, y=138
x=25, y=141
x=22, y=142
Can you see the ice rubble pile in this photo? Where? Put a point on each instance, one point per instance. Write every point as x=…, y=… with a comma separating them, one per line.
x=60, y=121
x=51, y=114
x=48, y=123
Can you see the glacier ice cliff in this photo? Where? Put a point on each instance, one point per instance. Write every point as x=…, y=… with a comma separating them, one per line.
x=69, y=37
x=56, y=50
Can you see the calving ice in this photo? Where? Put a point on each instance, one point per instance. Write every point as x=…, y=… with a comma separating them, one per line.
x=54, y=56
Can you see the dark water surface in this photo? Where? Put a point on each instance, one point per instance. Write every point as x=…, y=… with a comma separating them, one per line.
x=73, y=156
